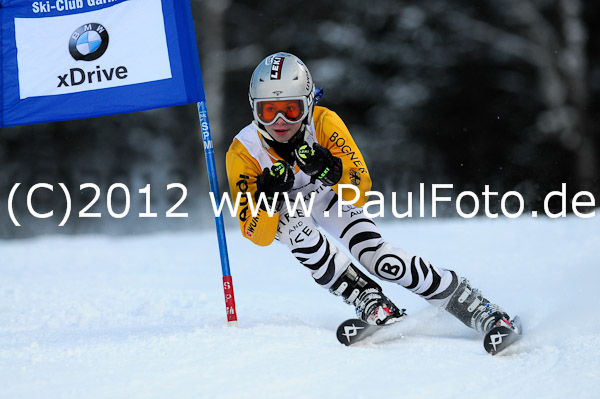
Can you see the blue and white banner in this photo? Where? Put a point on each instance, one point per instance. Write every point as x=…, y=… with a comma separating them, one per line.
x=73, y=59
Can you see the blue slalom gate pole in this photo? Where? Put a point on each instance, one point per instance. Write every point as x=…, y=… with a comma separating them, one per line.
x=214, y=188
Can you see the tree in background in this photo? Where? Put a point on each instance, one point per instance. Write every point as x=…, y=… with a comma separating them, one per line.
x=461, y=92
x=498, y=93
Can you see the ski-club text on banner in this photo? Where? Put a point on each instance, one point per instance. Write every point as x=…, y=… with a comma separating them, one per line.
x=73, y=59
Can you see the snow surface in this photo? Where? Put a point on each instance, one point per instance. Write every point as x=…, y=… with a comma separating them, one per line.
x=143, y=317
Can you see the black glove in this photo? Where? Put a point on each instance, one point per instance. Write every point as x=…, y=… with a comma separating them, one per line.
x=278, y=179
x=318, y=163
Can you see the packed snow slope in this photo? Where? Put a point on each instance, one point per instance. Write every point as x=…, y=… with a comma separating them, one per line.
x=143, y=317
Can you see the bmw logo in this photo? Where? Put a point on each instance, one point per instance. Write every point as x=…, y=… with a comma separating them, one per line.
x=88, y=42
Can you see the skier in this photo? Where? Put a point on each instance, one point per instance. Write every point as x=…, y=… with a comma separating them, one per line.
x=295, y=147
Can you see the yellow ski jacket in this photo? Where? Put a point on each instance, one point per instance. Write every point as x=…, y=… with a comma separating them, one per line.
x=249, y=154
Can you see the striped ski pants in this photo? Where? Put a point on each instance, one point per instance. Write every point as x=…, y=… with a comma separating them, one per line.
x=303, y=235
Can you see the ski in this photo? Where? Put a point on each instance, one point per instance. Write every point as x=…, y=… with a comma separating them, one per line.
x=353, y=330
x=495, y=341
x=501, y=337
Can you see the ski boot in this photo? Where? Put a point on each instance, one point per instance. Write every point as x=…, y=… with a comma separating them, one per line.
x=377, y=309
x=469, y=306
x=371, y=305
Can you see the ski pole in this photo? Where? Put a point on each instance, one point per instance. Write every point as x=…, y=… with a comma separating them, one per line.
x=214, y=187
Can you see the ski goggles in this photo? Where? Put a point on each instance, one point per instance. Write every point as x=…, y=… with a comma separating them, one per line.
x=291, y=110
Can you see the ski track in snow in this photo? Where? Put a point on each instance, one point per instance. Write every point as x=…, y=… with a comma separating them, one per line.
x=143, y=317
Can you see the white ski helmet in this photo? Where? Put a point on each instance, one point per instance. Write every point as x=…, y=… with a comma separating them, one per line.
x=282, y=76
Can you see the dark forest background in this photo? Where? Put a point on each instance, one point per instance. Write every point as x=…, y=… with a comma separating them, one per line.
x=467, y=93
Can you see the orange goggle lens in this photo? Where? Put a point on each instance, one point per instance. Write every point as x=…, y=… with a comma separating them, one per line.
x=292, y=111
